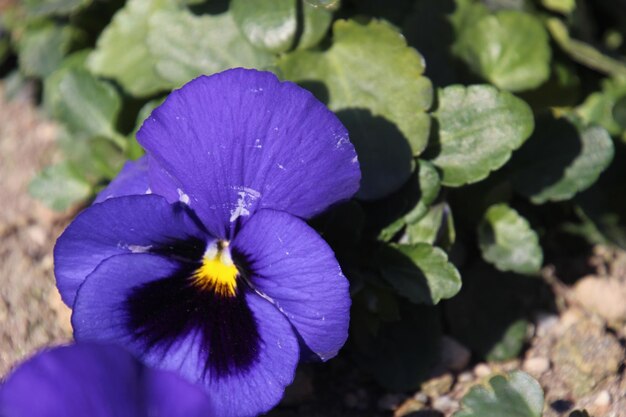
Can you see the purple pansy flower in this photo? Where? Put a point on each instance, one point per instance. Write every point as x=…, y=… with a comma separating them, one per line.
x=210, y=271
x=97, y=381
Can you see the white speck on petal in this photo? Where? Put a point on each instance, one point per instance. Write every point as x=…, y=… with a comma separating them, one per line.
x=148, y=191
x=139, y=248
x=244, y=202
x=355, y=159
x=280, y=166
x=182, y=197
x=257, y=144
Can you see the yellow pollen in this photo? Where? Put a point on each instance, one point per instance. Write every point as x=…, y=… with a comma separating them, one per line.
x=217, y=272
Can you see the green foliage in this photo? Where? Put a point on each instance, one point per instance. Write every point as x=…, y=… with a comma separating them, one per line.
x=145, y=58
x=383, y=104
x=53, y=7
x=561, y=159
x=60, y=186
x=556, y=153
x=42, y=46
x=478, y=128
x=509, y=48
x=419, y=272
x=85, y=104
x=514, y=395
x=507, y=241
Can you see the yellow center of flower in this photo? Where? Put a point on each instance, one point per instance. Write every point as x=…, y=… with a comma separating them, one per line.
x=217, y=273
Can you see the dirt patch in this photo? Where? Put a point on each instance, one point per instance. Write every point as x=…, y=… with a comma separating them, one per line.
x=31, y=312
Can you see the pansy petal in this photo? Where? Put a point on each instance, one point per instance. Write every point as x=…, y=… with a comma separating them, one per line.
x=131, y=180
x=131, y=224
x=242, y=140
x=290, y=264
x=101, y=313
x=97, y=381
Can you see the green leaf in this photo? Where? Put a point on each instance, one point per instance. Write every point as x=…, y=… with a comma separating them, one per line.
x=435, y=227
x=268, y=24
x=601, y=107
x=479, y=127
x=194, y=45
x=584, y=53
x=122, y=52
x=511, y=342
x=53, y=7
x=509, y=48
x=419, y=272
x=41, y=48
x=410, y=204
x=560, y=6
x=560, y=160
x=383, y=104
x=85, y=104
x=59, y=187
x=316, y=21
x=516, y=395
x=429, y=186
x=507, y=241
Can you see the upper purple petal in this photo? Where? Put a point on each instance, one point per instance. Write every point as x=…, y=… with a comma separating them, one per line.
x=97, y=381
x=291, y=265
x=131, y=180
x=101, y=313
x=131, y=224
x=242, y=140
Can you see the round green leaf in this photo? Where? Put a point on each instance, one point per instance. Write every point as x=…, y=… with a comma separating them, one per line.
x=266, y=24
x=59, y=187
x=316, y=21
x=419, y=272
x=508, y=242
x=509, y=48
x=194, y=45
x=408, y=205
x=53, y=7
x=383, y=103
x=435, y=227
x=85, y=104
x=122, y=52
x=560, y=160
x=516, y=395
x=41, y=48
x=479, y=127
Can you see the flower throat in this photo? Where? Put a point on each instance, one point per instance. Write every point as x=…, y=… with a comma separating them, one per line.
x=217, y=272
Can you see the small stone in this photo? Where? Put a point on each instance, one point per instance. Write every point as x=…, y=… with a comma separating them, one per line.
x=445, y=404
x=390, y=402
x=454, y=356
x=536, y=366
x=408, y=408
x=421, y=397
x=438, y=386
x=545, y=323
x=603, y=296
x=603, y=399
x=482, y=370
x=465, y=377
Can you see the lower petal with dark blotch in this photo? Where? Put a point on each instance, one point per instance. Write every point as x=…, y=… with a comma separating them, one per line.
x=291, y=265
x=240, y=349
x=131, y=224
x=97, y=381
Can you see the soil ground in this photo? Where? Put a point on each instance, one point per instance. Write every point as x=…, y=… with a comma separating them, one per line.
x=577, y=353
